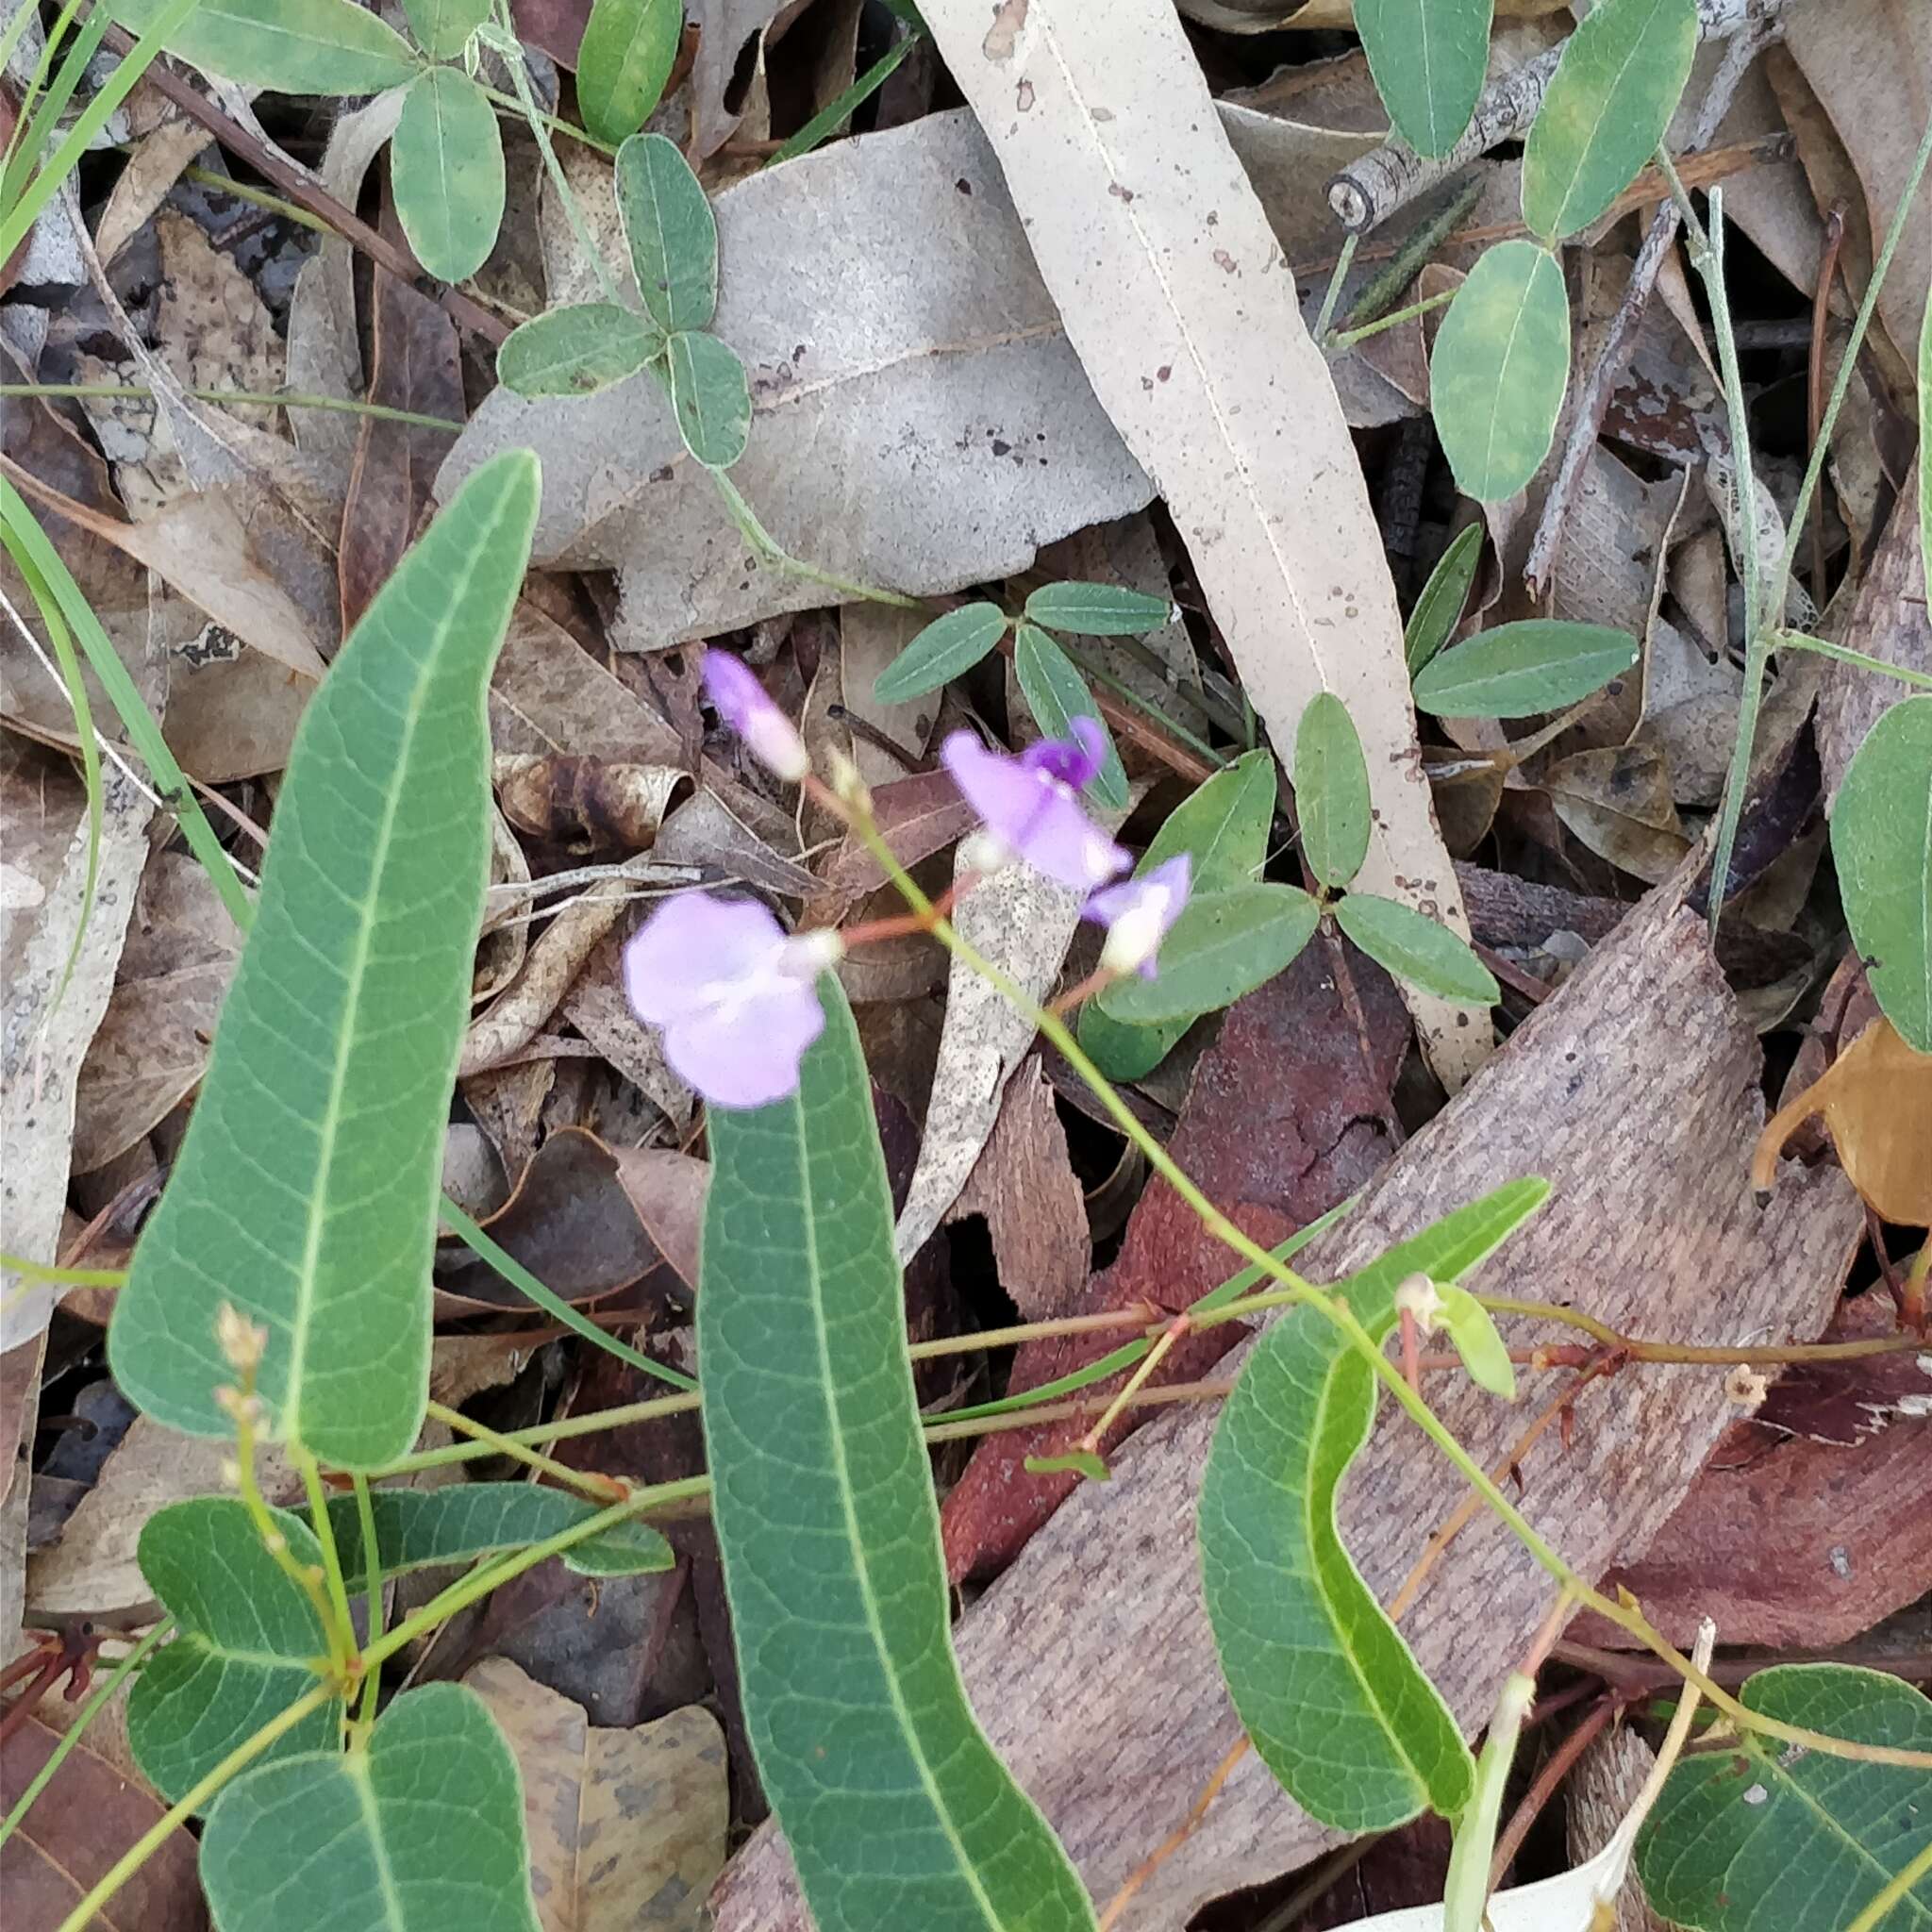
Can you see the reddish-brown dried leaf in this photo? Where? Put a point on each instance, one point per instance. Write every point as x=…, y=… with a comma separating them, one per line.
x=919, y=816
x=1287, y=1114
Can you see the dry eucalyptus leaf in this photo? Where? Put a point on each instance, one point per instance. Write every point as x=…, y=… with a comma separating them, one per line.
x=597, y=1008
x=553, y=963
x=626, y=1827
x=585, y=804
x=1617, y=801
x=869, y=637
x=706, y=831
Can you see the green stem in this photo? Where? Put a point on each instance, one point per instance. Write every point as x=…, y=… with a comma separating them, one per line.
x=775, y=554
x=103, y=1692
x=257, y=197
x=1898, y=1889
x=67, y=1277
x=1332, y=294
x=81, y=1919
x=1843, y=654
x=372, y=1573
x=135, y=392
x=343, y=1637
x=582, y=136
x=598, y=1488
x=1348, y=338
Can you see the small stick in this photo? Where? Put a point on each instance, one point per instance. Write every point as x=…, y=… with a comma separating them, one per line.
x=1814, y=380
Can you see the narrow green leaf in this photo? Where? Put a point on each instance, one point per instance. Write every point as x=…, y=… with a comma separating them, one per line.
x=1482, y=1351
x=1222, y=827
x=1500, y=365
x=1416, y=948
x=1881, y=842
x=294, y=47
x=1605, y=110
x=416, y=1529
x=1762, y=1838
x=306, y=1189
x=670, y=232
x=1333, y=1701
x=1519, y=670
x=1428, y=58
x=1083, y=1462
x=446, y=167
x=576, y=351
x=896, y=1810
x=1055, y=693
x=246, y=1646
x=1331, y=791
x=1098, y=610
x=1224, y=945
x=442, y=27
x=420, y=1831
x=710, y=397
x=948, y=647
x=1439, y=609
x=628, y=49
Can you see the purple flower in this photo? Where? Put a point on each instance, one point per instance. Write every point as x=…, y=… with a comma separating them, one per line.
x=733, y=994
x=1030, y=807
x=1138, y=913
x=745, y=705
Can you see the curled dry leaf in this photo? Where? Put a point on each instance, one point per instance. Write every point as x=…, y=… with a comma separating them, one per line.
x=585, y=804
x=552, y=962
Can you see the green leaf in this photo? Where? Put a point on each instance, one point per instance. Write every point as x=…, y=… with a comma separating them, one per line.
x=1083, y=1462
x=1497, y=375
x=1605, y=110
x=294, y=47
x=1098, y=610
x=628, y=49
x=1439, y=609
x=1762, y=1838
x=244, y=1650
x=896, y=1810
x=1416, y=948
x=1222, y=827
x=1055, y=693
x=1333, y=1701
x=710, y=397
x=1482, y=1351
x=1331, y=791
x=446, y=167
x=1224, y=945
x=418, y=1529
x=947, y=647
x=576, y=351
x=442, y=27
x=670, y=232
x=421, y=1830
x=1428, y=58
x=1519, y=670
x=304, y=1191
x=1881, y=842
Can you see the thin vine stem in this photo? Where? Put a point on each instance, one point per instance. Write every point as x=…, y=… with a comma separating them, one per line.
x=1897, y=1888
x=373, y=1593
x=323, y=1524
x=243, y=398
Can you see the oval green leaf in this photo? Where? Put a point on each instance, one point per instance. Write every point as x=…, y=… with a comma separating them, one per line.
x=1055, y=693
x=416, y=1529
x=947, y=647
x=710, y=397
x=1881, y=842
x=1098, y=610
x=576, y=351
x=1500, y=362
x=447, y=166
x=1519, y=670
x=1417, y=949
x=1484, y=1353
x=1330, y=1696
x=1331, y=791
x=294, y=47
x=627, y=52
x=419, y=1831
x=1224, y=945
x=671, y=233
x=244, y=1648
x=1428, y=58
x=1223, y=827
x=1743, y=1837
x=1439, y=609
x=306, y=1189
x=1605, y=110
x=442, y=27
x=822, y=1503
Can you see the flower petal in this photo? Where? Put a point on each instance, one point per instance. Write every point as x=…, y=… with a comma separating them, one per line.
x=690, y=945
x=1064, y=844
x=751, y=1058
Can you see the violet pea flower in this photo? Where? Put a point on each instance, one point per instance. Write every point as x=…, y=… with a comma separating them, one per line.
x=747, y=707
x=1137, y=914
x=1030, y=809
x=734, y=995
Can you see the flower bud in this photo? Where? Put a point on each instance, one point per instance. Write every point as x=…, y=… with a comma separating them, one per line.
x=746, y=707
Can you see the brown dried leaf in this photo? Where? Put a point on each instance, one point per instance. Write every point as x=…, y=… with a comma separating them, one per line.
x=1617, y=800
x=597, y=1008
x=518, y=1013
x=585, y=804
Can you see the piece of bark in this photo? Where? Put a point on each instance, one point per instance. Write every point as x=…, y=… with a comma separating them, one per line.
x=1601, y=1792
x=1634, y=1090
x=1286, y=1115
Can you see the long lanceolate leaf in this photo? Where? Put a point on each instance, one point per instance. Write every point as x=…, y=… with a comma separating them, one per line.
x=306, y=1187
x=1333, y=1701
x=896, y=1809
